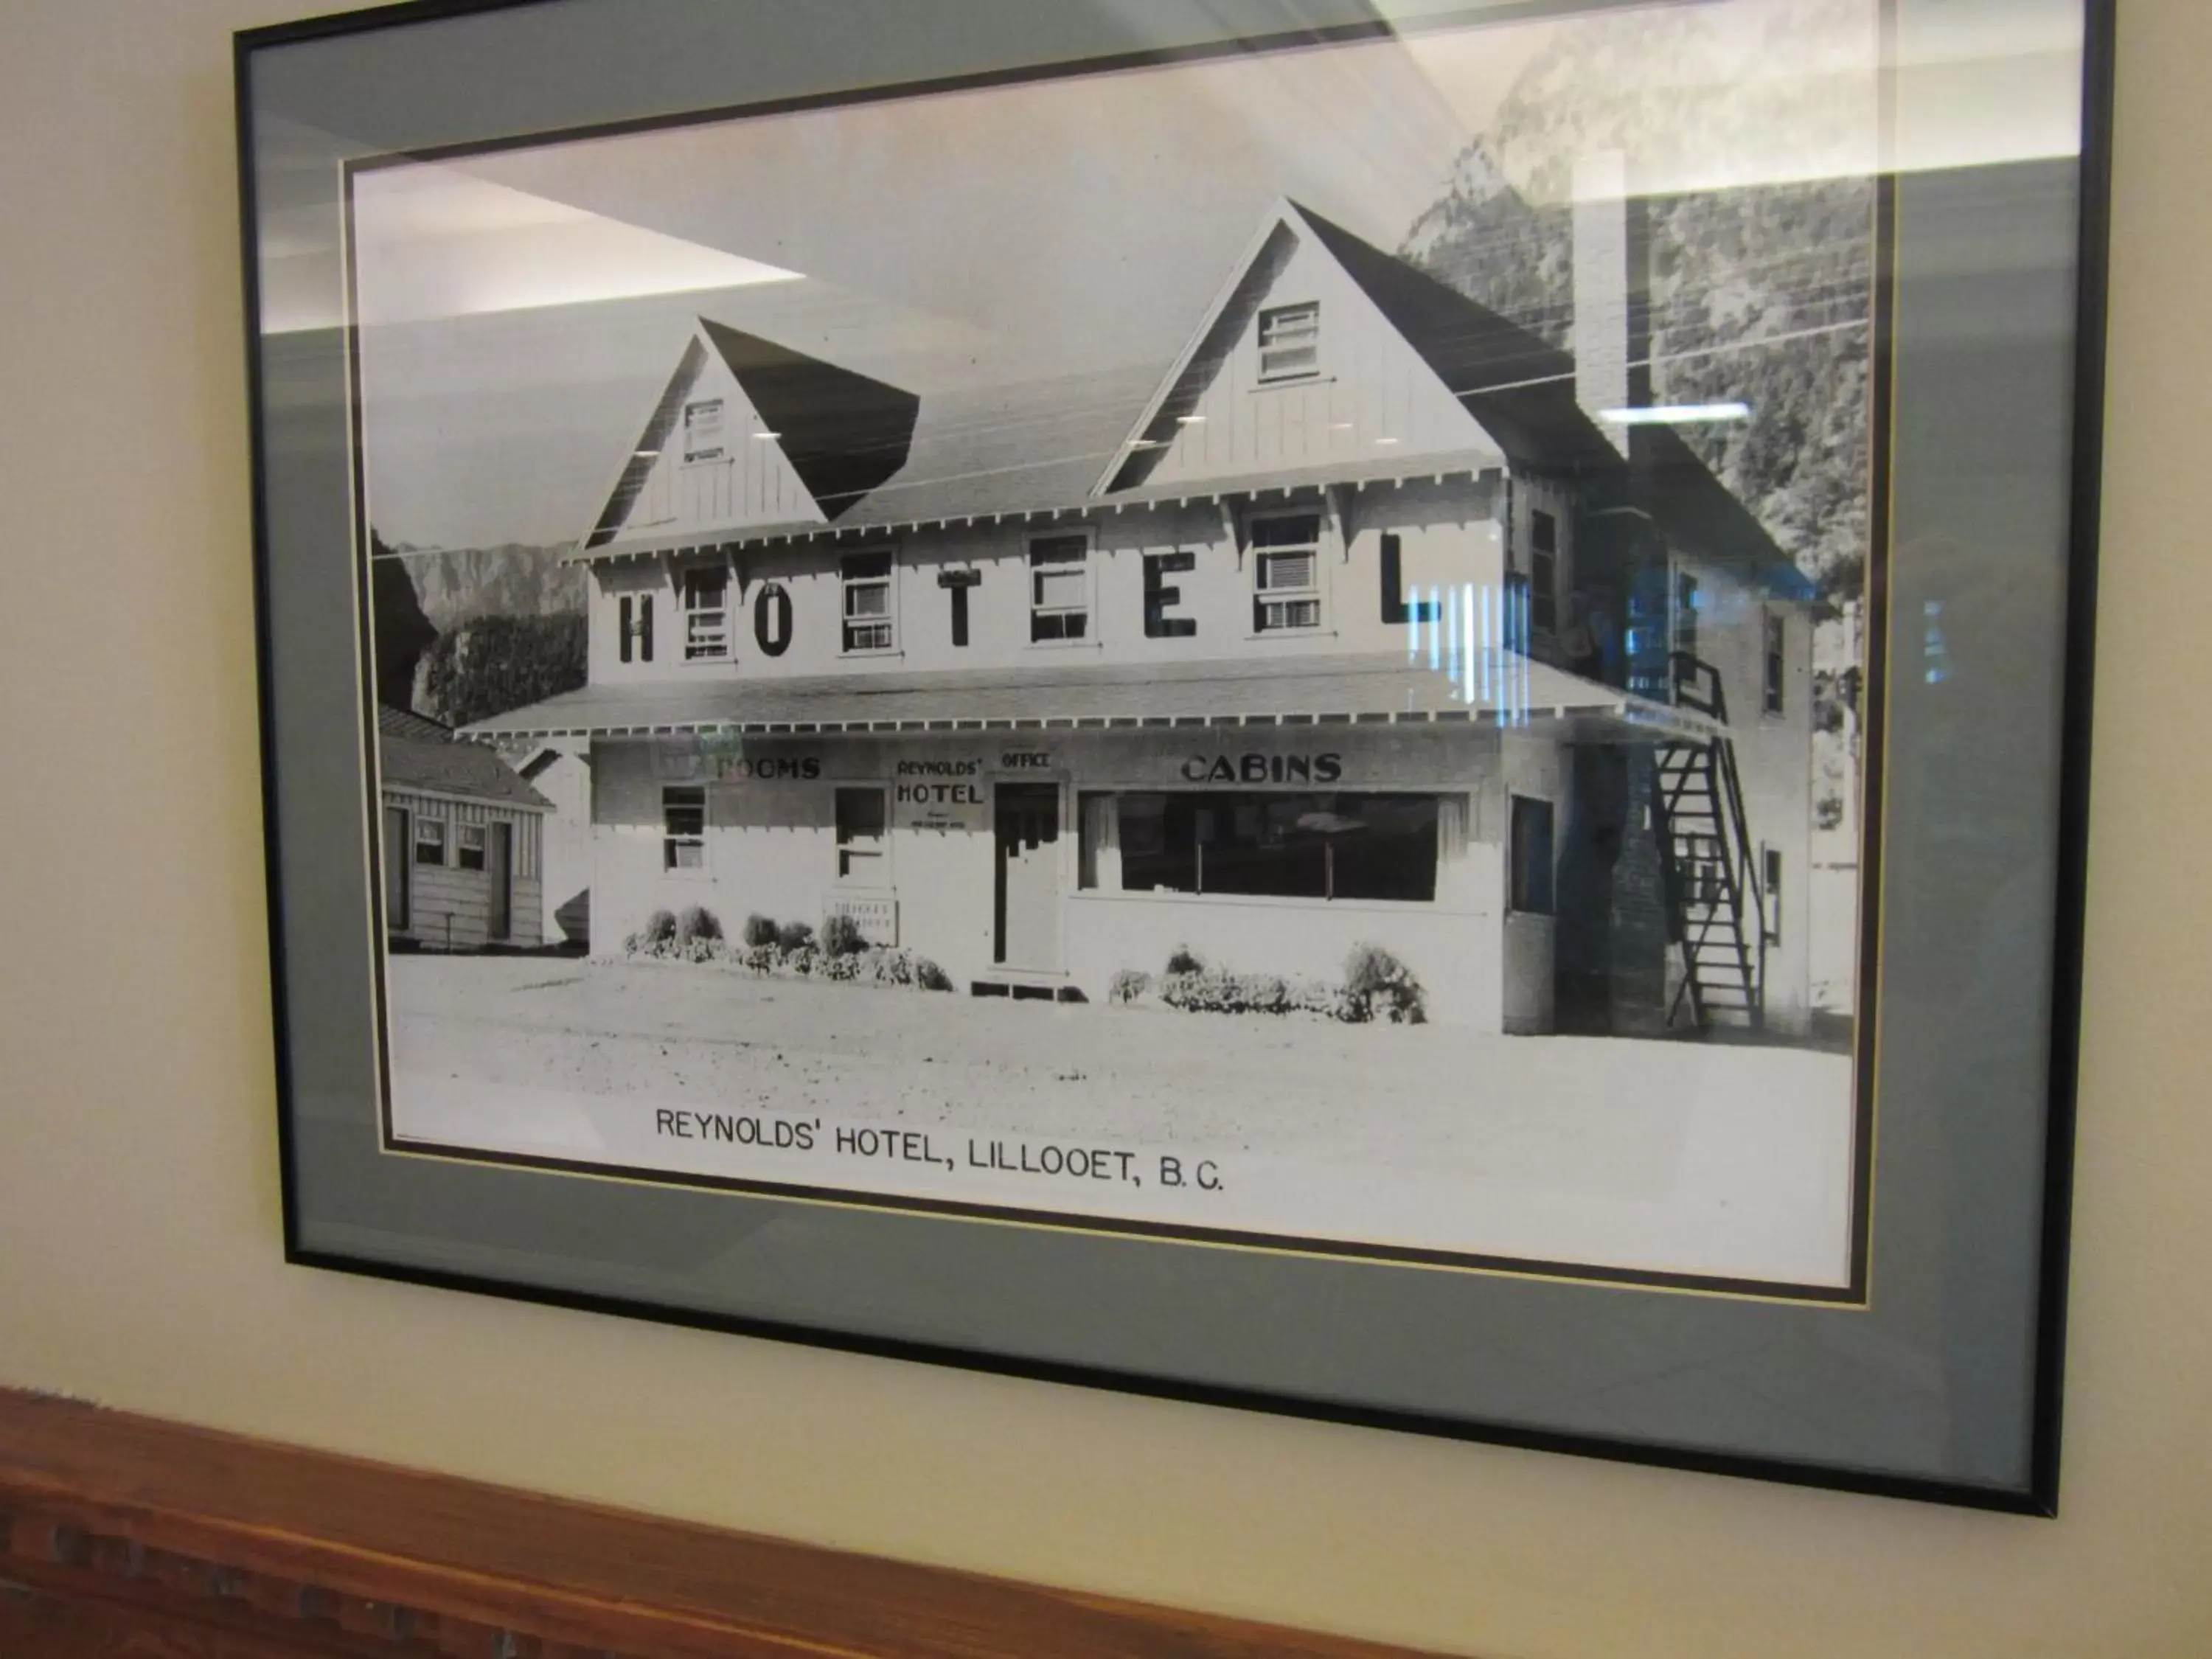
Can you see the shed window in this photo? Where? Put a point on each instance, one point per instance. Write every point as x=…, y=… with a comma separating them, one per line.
x=1286, y=572
x=430, y=839
x=702, y=431
x=870, y=624
x=1290, y=342
x=1531, y=856
x=1060, y=587
x=472, y=848
x=705, y=614
x=684, y=828
x=1324, y=846
x=860, y=823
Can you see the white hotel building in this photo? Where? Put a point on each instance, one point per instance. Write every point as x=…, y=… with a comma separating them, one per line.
x=1358, y=623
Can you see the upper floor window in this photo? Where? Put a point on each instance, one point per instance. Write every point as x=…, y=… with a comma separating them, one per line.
x=703, y=430
x=1286, y=572
x=684, y=828
x=1060, y=587
x=1777, y=659
x=1543, y=572
x=1290, y=342
x=636, y=627
x=705, y=594
x=869, y=623
x=430, y=839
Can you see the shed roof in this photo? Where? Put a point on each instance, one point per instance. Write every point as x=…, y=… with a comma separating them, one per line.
x=1491, y=685
x=419, y=754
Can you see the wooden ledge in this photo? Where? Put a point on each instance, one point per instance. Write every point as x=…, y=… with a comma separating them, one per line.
x=121, y=1534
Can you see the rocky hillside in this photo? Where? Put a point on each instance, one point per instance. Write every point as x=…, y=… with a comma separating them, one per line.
x=1760, y=292
x=512, y=579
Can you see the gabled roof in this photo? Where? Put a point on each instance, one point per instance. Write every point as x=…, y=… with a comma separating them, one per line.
x=886, y=461
x=418, y=754
x=842, y=433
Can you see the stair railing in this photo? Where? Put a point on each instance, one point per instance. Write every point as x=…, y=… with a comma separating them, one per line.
x=1696, y=686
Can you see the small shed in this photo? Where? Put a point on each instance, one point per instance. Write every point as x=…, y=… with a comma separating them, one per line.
x=461, y=841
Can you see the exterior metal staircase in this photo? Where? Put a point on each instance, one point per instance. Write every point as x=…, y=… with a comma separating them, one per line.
x=1711, y=865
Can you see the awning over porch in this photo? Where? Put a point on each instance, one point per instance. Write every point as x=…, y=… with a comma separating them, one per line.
x=1491, y=687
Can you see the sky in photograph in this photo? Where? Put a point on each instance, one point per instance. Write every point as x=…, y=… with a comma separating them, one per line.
x=520, y=312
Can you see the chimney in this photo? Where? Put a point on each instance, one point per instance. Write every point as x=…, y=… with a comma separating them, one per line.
x=1612, y=326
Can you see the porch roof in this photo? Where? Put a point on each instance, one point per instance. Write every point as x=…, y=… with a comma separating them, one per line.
x=1489, y=686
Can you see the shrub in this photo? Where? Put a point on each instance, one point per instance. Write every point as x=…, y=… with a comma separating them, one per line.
x=1217, y=991
x=1183, y=960
x=1129, y=985
x=758, y=930
x=760, y=958
x=657, y=937
x=842, y=936
x=697, y=922
x=1376, y=983
x=791, y=936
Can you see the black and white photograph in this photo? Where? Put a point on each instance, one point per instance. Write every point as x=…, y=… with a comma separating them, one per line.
x=1275, y=647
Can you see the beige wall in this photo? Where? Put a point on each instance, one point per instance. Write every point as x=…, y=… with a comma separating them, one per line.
x=138, y=1205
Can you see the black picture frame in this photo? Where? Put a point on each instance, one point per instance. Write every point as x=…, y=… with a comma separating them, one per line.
x=352, y=1198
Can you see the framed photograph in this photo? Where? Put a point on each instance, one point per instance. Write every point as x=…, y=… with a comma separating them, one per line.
x=1373, y=710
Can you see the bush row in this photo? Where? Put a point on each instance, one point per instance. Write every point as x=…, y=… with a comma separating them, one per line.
x=1376, y=986
x=842, y=954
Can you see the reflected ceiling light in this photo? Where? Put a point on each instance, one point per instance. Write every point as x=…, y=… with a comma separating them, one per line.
x=1386, y=440
x=431, y=241
x=1676, y=413
x=1190, y=419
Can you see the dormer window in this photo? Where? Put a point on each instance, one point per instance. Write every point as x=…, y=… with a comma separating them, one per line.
x=703, y=430
x=1290, y=342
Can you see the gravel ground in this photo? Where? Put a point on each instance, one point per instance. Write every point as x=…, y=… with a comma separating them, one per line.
x=1582, y=1129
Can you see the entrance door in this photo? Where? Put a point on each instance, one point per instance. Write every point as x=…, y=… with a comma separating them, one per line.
x=397, y=851
x=1029, y=875
x=499, y=872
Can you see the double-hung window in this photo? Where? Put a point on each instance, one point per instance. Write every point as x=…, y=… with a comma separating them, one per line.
x=684, y=828
x=869, y=623
x=1543, y=572
x=705, y=594
x=702, y=431
x=1286, y=572
x=1290, y=342
x=1776, y=639
x=471, y=847
x=1529, y=871
x=1060, y=587
x=636, y=627
x=860, y=825
x=430, y=839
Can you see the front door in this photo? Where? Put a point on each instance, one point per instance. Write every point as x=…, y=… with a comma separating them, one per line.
x=396, y=850
x=1029, y=875
x=499, y=872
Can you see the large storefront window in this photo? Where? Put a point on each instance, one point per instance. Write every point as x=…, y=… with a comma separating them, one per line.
x=1277, y=846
